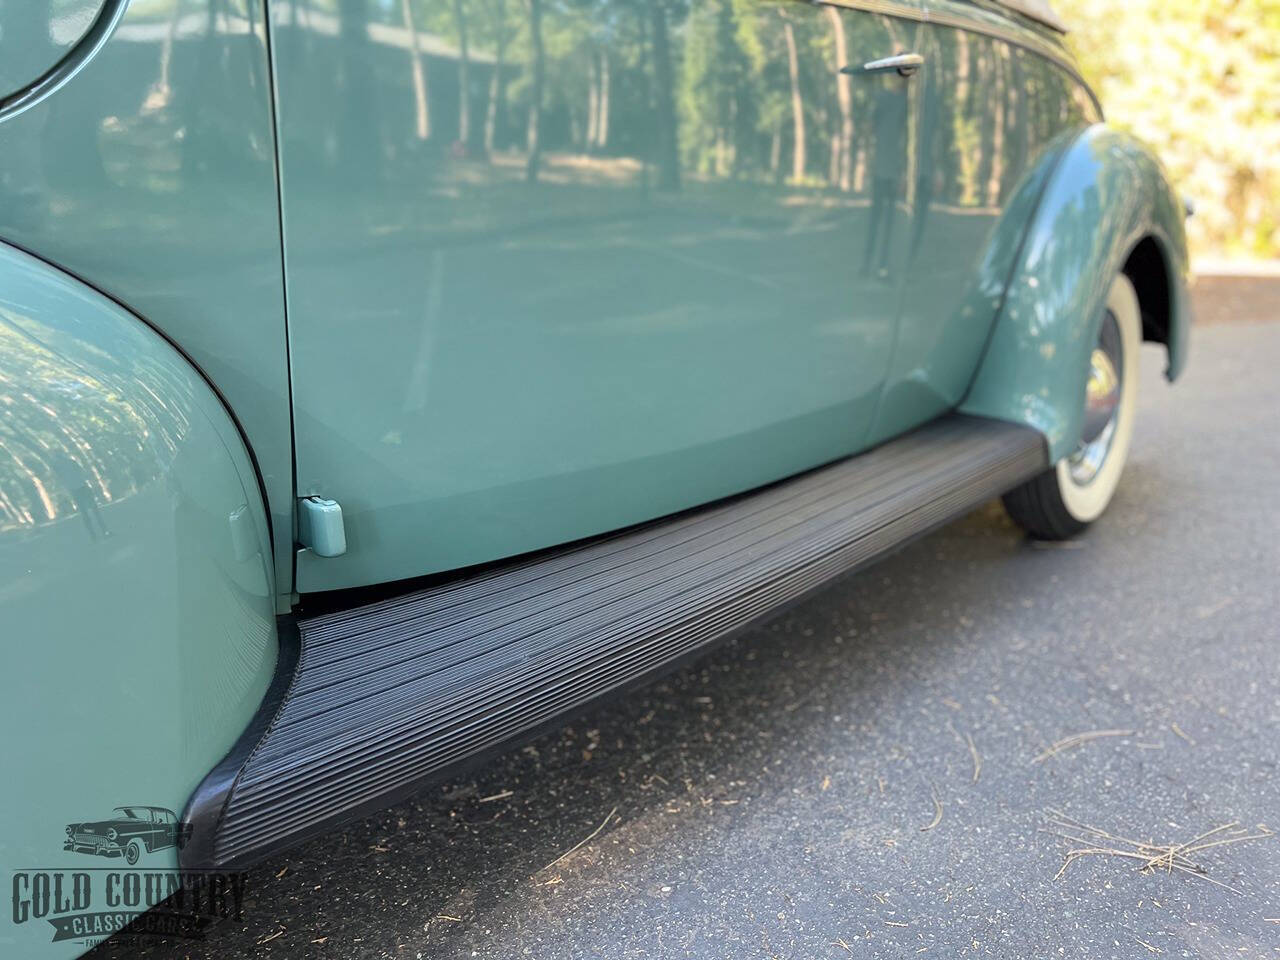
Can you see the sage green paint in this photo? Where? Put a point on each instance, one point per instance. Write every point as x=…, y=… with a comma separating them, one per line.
x=982, y=148
x=497, y=348
x=136, y=594
x=36, y=34
x=1107, y=194
x=151, y=174
x=501, y=342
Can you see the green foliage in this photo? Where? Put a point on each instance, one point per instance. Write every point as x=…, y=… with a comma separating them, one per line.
x=1200, y=81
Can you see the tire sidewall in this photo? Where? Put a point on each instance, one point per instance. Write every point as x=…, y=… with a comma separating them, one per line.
x=1086, y=503
x=141, y=851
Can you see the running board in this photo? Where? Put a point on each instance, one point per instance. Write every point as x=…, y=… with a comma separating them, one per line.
x=388, y=696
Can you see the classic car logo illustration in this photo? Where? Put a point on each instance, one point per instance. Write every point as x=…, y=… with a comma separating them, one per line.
x=130, y=832
x=127, y=898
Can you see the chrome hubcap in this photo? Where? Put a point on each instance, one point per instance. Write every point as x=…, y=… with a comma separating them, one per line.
x=1101, y=404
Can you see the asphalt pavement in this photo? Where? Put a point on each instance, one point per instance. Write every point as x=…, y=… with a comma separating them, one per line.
x=884, y=771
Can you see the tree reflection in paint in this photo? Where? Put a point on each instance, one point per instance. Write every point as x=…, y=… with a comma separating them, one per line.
x=73, y=441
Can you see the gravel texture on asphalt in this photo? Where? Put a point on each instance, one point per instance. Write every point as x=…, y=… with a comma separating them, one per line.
x=866, y=776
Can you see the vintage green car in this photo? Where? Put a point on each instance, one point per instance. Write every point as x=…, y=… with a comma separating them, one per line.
x=383, y=379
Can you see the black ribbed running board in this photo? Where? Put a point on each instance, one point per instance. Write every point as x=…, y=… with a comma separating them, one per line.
x=389, y=695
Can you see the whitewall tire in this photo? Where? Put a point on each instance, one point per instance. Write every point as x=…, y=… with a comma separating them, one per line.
x=1062, y=501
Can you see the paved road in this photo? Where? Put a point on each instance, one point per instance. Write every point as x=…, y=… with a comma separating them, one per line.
x=860, y=778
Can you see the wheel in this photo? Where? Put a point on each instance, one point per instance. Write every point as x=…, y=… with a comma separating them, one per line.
x=1059, y=503
x=133, y=851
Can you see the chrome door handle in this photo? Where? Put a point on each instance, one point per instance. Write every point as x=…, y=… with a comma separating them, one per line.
x=905, y=64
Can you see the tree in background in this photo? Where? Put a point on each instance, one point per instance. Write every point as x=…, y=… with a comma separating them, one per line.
x=841, y=143
x=464, y=83
x=664, y=96
x=1199, y=80
x=533, y=136
x=715, y=92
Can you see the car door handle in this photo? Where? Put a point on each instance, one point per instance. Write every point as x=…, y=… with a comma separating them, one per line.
x=905, y=64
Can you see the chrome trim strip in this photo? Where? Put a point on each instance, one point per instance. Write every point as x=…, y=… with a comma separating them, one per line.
x=950, y=13
x=72, y=62
x=966, y=17
x=1037, y=10
x=889, y=8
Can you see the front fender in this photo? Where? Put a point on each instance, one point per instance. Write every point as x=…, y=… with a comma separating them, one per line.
x=136, y=600
x=1108, y=194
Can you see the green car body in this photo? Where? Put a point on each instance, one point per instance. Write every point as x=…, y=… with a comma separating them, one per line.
x=493, y=277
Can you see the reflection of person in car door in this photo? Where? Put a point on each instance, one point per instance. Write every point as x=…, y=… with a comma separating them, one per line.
x=888, y=157
x=75, y=481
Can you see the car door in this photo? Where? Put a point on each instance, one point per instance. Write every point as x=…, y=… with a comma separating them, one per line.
x=557, y=269
x=996, y=92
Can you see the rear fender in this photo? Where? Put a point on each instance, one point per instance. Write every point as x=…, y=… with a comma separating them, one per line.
x=1107, y=195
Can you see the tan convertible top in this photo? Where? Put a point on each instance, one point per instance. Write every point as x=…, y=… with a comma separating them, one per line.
x=1037, y=10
